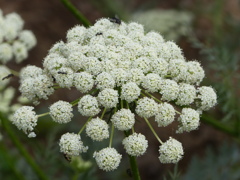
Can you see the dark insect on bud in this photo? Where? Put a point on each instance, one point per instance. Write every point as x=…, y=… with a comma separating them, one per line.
x=115, y=20
x=54, y=80
x=99, y=33
x=68, y=158
x=59, y=72
x=7, y=77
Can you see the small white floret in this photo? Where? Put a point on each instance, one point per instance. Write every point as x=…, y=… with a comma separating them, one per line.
x=123, y=119
x=61, y=112
x=97, y=129
x=170, y=151
x=108, y=159
x=135, y=144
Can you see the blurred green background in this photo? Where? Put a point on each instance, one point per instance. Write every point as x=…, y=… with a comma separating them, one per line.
x=206, y=30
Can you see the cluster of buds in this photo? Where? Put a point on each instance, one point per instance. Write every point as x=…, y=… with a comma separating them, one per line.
x=14, y=41
x=122, y=73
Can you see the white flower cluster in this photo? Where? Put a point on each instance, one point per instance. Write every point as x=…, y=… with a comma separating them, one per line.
x=25, y=119
x=97, y=129
x=71, y=145
x=35, y=86
x=171, y=151
x=61, y=112
x=135, y=144
x=107, y=159
x=14, y=41
x=124, y=72
x=123, y=119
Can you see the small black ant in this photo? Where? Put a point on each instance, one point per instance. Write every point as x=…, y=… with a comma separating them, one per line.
x=7, y=77
x=59, y=72
x=99, y=33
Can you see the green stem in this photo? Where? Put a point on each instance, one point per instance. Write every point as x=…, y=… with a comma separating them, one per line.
x=15, y=73
x=56, y=86
x=153, y=131
x=81, y=130
x=218, y=125
x=133, y=163
x=121, y=103
x=92, y=91
x=156, y=99
x=127, y=105
x=21, y=149
x=104, y=111
x=133, y=129
x=9, y=159
x=178, y=112
x=111, y=137
x=75, y=102
x=134, y=167
x=76, y=13
x=44, y=114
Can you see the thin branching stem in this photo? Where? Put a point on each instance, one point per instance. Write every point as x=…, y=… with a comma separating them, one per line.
x=15, y=73
x=104, y=111
x=156, y=99
x=111, y=137
x=153, y=131
x=76, y=13
x=44, y=114
x=81, y=130
x=218, y=125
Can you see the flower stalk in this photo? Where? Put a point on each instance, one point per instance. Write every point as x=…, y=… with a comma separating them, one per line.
x=21, y=149
x=133, y=163
x=76, y=13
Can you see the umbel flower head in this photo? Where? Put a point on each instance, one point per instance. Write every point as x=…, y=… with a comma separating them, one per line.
x=171, y=151
x=25, y=119
x=14, y=41
x=122, y=73
x=71, y=144
x=135, y=144
x=107, y=159
x=61, y=112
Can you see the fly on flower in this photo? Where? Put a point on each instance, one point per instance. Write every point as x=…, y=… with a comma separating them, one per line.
x=115, y=20
x=7, y=77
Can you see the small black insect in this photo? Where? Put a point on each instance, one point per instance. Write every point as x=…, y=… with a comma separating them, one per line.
x=60, y=72
x=54, y=80
x=115, y=20
x=7, y=77
x=99, y=33
x=68, y=158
